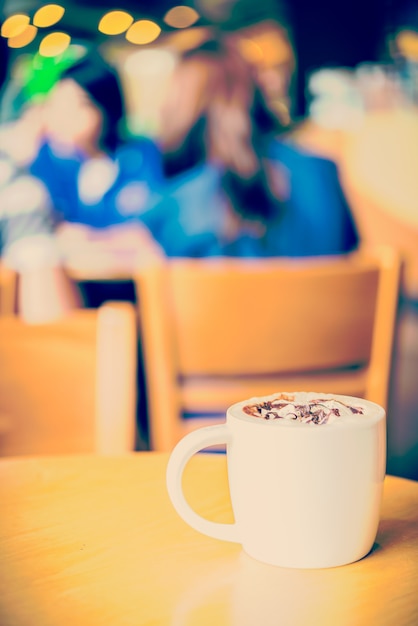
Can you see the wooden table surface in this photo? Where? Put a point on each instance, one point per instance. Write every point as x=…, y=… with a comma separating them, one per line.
x=94, y=541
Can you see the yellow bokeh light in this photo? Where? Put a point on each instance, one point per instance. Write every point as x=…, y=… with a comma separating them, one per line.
x=407, y=41
x=181, y=17
x=24, y=38
x=48, y=15
x=54, y=44
x=274, y=47
x=183, y=40
x=250, y=50
x=115, y=22
x=14, y=25
x=143, y=31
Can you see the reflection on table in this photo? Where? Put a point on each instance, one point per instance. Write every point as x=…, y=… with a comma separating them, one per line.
x=94, y=540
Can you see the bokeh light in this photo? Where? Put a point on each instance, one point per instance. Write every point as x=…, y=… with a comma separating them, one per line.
x=24, y=38
x=143, y=32
x=407, y=42
x=115, y=22
x=48, y=15
x=275, y=48
x=54, y=44
x=250, y=50
x=14, y=25
x=189, y=38
x=145, y=74
x=149, y=61
x=181, y=17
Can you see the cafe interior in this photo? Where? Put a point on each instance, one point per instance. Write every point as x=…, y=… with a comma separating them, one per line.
x=200, y=203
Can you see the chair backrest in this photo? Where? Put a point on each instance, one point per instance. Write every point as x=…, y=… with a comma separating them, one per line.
x=8, y=290
x=216, y=331
x=69, y=386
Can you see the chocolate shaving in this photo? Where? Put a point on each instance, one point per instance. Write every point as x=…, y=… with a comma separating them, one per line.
x=317, y=411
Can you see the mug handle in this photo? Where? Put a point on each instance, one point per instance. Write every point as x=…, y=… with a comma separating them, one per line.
x=188, y=446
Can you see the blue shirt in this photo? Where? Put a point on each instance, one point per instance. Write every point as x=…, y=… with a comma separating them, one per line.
x=189, y=218
x=101, y=194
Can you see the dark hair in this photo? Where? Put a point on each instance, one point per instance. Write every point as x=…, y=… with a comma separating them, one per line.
x=232, y=85
x=102, y=85
x=252, y=196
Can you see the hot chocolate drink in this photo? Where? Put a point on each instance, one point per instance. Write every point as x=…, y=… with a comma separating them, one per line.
x=306, y=408
x=305, y=474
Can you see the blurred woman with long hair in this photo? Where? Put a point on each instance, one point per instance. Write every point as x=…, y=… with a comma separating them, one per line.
x=235, y=187
x=94, y=176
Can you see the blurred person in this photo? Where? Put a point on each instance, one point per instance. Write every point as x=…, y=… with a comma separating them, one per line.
x=28, y=246
x=27, y=242
x=267, y=47
x=72, y=141
x=234, y=188
x=92, y=175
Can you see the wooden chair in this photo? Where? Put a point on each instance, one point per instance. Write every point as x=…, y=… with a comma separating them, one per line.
x=69, y=386
x=218, y=331
x=8, y=290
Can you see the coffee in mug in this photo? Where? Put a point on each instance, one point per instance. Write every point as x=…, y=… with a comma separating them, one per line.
x=305, y=474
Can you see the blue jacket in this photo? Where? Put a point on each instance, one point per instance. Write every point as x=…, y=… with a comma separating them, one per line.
x=136, y=172
x=189, y=218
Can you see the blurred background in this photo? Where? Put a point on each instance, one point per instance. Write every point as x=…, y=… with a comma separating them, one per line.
x=342, y=78
x=142, y=39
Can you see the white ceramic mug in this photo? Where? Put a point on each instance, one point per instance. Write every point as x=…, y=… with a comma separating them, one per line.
x=303, y=495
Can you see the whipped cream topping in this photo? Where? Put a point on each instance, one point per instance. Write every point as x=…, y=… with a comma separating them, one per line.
x=313, y=411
